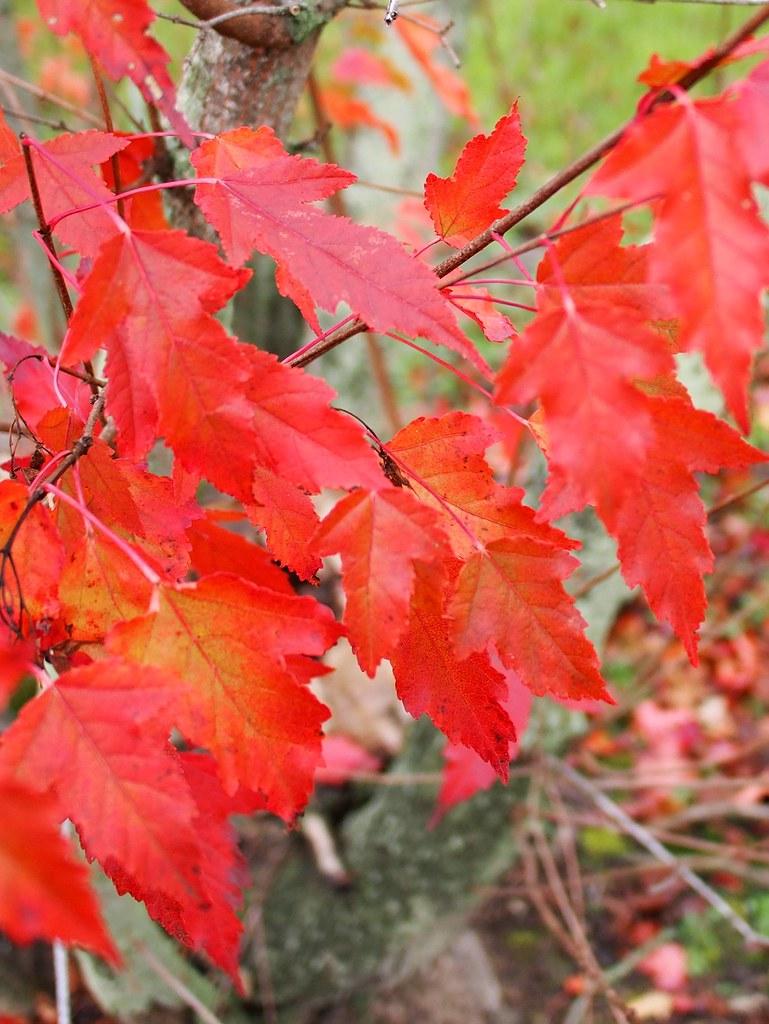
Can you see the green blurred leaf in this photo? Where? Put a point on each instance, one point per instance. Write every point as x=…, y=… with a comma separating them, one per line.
x=137, y=987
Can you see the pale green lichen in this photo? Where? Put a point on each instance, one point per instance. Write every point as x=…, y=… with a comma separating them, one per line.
x=412, y=887
x=305, y=20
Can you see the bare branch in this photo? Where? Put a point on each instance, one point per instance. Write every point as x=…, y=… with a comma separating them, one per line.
x=649, y=842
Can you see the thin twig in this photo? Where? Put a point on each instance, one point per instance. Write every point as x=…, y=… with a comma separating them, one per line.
x=644, y=838
x=45, y=231
x=61, y=981
x=81, y=447
x=735, y=499
x=335, y=337
x=586, y=958
x=22, y=115
x=732, y=854
x=617, y=972
x=50, y=97
x=177, y=986
x=60, y=954
x=292, y=10
x=109, y=127
x=595, y=581
x=263, y=971
x=393, y=189
x=566, y=839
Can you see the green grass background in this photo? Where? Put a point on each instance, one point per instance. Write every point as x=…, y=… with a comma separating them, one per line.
x=574, y=65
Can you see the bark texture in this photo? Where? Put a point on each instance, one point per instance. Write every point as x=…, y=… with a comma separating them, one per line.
x=251, y=69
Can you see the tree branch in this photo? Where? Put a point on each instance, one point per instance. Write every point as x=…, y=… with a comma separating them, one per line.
x=264, y=26
x=558, y=181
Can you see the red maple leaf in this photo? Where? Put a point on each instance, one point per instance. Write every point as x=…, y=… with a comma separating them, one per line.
x=596, y=267
x=511, y=596
x=381, y=536
x=171, y=365
x=582, y=360
x=659, y=519
x=464, y=697
x=259, y=200
x=37, y=557
x=366, y=68
x=44, y=890
x=99, y=738
x=423, y=42
x=227, y=645
x=465, y=204
x=478, y=304
x=214, y=548
x=657, y=515
x=509, y=592
x=445, y=460
x=115, y=33
x=465, y=773
x=65, y=181
x=30, y=376
x=348, y=111
x=711, y=246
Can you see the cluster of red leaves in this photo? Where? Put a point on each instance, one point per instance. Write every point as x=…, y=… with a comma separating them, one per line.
x=159, y=620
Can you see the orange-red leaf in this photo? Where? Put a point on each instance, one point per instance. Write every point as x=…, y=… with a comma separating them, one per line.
x=38, y=557
x=99, y=738
x=100, y=585
x=288, y=518
x=65, y=181
x=298, y=436
x=478, y=304
x=226, y=643
x=380, y=535
x=465, y=204
x=172, y=368
x=465, y=773
x=115, y=33
x=464, y=697
x=348, y=111
x=444, y=458
x=143, y=211
x=710, y=246
x=31, y=379
x=511, y=595
x=657, y=515
x=424, y=44
x=214, y=548
x=582, y=361
x=366, y=68
x=592, y=262
x=660, y=72
x=44, y=890
x=659, y=519
x=260, y=201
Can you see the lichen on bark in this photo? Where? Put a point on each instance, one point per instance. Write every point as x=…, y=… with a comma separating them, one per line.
x=412, y=887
